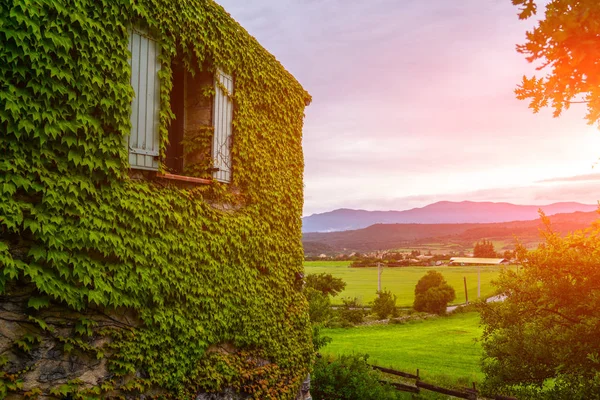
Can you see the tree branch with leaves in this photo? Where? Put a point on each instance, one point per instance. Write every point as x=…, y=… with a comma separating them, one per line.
x=565, y=44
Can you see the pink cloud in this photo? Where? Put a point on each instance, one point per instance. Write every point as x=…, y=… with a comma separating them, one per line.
x=417, y=97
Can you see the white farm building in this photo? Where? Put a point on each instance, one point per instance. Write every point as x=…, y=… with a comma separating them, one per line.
x=477, y=261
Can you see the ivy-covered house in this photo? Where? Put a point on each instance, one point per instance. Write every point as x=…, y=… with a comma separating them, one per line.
x=150, y=201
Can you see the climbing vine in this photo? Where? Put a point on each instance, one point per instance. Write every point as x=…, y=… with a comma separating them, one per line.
x=76, y=228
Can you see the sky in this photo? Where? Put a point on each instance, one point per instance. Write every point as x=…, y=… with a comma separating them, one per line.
x=413, y=103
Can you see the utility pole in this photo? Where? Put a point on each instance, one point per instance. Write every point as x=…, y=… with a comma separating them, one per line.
x=379, y=272
x=479, y=281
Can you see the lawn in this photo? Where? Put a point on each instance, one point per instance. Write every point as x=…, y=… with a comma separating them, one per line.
x=443, y=349
x=362, y=282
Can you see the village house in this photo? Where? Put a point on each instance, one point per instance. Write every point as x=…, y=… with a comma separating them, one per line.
x=478, y=261
x=150, y=205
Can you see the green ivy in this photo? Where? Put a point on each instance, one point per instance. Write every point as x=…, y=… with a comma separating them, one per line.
x=75, y=225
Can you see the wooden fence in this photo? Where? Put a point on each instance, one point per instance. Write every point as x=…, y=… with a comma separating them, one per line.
x=465, y=393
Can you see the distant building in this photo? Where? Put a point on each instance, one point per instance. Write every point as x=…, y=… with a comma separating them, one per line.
x=478, y=261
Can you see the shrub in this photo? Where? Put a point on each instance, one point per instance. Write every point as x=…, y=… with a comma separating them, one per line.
x=432, y=293
x=385, y=305
x=349, y=378
x=366, y=262
x=352, y=312
x=319, y=306
x=318, y=340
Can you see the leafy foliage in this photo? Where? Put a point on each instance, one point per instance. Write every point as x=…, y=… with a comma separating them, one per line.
x=318, y=339
x=542, y=341
x=484, y=249
x=319, y=288
x=566, y=43
x=325, y=283
x=351, y=313
x=385, y=305
x=349, y=378
x=77, y=227
x=319, y=306
x=432, y=293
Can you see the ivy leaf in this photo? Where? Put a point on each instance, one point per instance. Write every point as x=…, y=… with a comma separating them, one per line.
x=42, y=324
x=38, y=253
x=38, y=302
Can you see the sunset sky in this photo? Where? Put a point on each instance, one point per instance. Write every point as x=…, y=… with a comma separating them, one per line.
x=413, y=103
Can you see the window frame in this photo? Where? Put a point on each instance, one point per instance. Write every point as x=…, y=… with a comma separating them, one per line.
x=143, y=140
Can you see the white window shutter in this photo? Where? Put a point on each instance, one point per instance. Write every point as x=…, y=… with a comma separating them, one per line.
x=222, y=119
x=143, y=140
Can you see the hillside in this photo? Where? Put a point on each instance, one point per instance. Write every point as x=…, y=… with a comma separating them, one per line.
x=443, y=212
x=453, y=236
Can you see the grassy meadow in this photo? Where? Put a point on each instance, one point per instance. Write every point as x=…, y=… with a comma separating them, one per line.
x=362, y=282
x=443, y=349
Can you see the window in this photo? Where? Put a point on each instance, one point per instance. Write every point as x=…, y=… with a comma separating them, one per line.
x=200, y=135
x=222, y=118
x=143, y=138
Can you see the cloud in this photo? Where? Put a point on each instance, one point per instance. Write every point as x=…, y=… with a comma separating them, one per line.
x=413, y=102
x=576, y=178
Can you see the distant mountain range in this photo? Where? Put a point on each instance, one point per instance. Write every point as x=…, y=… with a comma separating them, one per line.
x=443, y=237
x=443, y=212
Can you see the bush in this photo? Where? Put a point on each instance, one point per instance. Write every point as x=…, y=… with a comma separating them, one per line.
x=385, y=305
x=364, y=263
x=318, y=340
x=319, y=306
x=352, y=313
x=432, y=293
x=349, y=378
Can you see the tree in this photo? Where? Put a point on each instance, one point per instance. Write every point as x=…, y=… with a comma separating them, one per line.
x=318, y=289
x=509, y=255
x=432, y=293
x=484, y=249
x=325, y=283
x=543, y=340
x=566, y=42
x=385, y=305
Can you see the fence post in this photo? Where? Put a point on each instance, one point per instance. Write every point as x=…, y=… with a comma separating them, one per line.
x=466, y=293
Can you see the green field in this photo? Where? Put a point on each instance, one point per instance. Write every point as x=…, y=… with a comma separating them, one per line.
x=362, y=282
x=443, y=349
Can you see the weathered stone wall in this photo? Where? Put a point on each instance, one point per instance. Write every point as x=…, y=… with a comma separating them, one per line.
x=45, y=351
